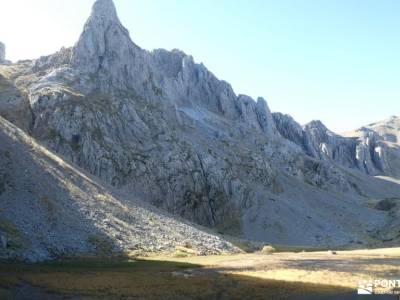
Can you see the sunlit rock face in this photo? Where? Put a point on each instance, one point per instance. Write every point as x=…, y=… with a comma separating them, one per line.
x=378, y=147
x=105, y=49
x=366, y=149
x=164, y=127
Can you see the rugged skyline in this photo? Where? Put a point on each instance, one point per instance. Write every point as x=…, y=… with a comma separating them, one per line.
x=310, y=71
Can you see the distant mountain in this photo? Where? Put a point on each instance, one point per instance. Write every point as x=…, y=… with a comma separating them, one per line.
x=382, y=139
x=373, y=150
x=161, y=127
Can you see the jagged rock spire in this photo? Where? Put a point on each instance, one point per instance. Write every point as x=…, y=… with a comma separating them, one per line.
x=104, y=42
x=104, y=9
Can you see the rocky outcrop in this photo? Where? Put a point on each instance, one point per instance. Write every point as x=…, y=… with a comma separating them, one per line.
x=14, y=105
x=316, y=140
x=290, y=130
x=106, y=52
x=366, y=150
x=378, y=147
x=3, y=60
x=2, y=52
x=323, y=144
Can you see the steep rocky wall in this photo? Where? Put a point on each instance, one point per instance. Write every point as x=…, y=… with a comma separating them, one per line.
x=51, y=209
x=366, y=151
x=2, y=52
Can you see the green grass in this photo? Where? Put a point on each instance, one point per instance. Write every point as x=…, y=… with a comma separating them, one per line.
x=14, y=237
x=9, y=228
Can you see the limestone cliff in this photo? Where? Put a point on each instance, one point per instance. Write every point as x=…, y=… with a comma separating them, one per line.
x=163, y=127
x=373, y=150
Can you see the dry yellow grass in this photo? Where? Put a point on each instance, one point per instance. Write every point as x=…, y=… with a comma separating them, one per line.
x=242, y=276
x=345, y=269
x=151, y=280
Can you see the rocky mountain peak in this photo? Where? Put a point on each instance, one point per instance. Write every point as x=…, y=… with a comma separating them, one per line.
x=316, y=125
x=104, y=43
x=104, y=9
x=103, y=17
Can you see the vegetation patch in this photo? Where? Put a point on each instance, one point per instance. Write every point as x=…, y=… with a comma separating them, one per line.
x=103, y=246
x=9, y=228
x=13, y=236
x=385, y=205
x=50, y=208
x=181, y=251
x=268, y=250
x=244, y=245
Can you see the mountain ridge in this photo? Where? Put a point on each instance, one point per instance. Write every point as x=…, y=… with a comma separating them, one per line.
x=160, y=126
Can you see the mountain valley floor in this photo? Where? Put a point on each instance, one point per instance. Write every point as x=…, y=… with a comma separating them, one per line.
x=284, y=275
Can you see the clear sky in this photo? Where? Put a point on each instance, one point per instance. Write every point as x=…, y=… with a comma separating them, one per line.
x=333, y=60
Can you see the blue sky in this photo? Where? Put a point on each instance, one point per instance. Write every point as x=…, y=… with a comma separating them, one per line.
x=333, y=60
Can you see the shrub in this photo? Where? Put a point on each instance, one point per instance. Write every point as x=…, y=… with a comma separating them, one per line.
x=103, y=247
x=184, y=252
x=268, y=250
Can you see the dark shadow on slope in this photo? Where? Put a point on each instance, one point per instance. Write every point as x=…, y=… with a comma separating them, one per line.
x=43, y=200
x=14, y=106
